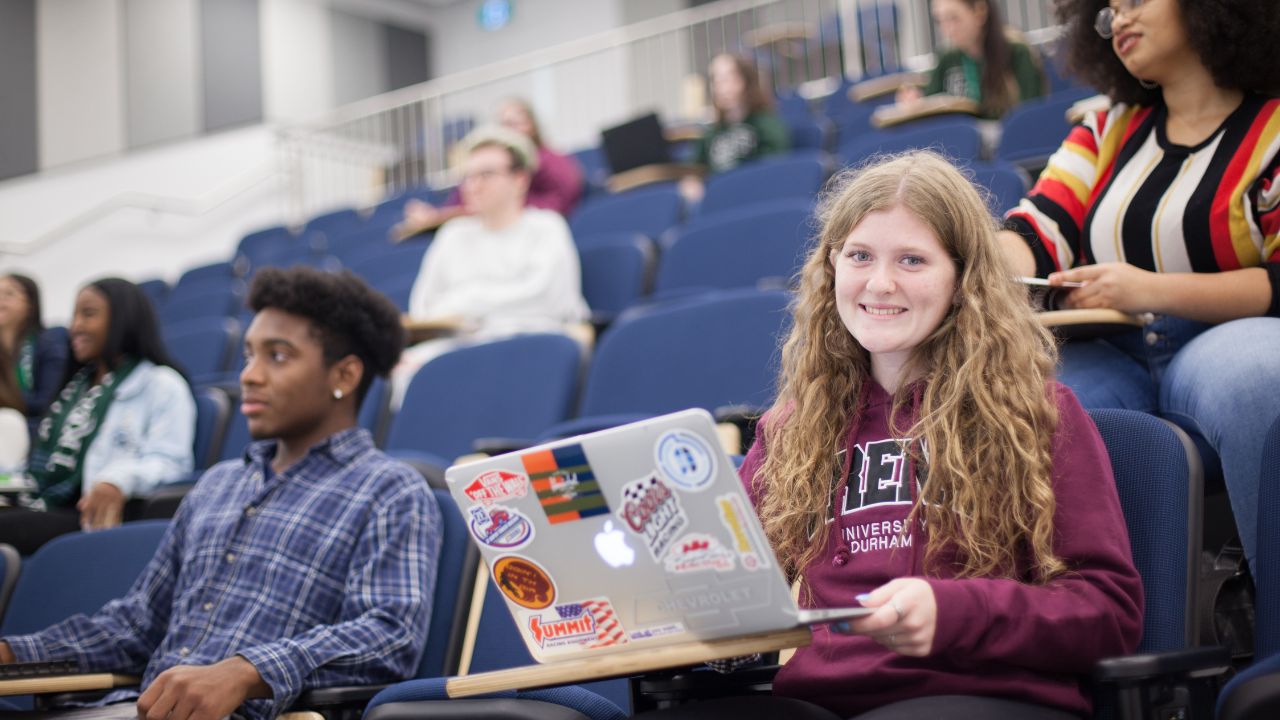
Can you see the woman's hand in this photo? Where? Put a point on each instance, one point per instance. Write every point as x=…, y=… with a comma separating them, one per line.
x=102, y=507
x=691, y=189
x=1116, y=285
x=905, y=619
x=907, y=94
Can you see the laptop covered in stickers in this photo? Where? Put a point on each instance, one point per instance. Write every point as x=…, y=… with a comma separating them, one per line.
x=632, y=537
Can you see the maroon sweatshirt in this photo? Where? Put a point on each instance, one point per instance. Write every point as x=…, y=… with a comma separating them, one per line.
x=994, y=637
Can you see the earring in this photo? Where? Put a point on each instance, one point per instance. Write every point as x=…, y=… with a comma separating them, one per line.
x=337, y=393
x=1147, y=84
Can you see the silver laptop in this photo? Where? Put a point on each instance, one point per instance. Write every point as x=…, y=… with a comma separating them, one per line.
x=632, y=537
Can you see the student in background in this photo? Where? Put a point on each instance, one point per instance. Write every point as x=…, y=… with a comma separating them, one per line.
x=122, y=423
x=504, y=268
x=309, y=562
x=36, y=357
x=921, y=460
x=746, y=127
x=555, y=185
x=1167, y=206
x=987, y=62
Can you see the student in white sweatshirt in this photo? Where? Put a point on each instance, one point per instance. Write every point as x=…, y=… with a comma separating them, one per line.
x=501, y=270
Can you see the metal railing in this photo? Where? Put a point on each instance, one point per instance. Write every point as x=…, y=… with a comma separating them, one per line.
x=360, y=153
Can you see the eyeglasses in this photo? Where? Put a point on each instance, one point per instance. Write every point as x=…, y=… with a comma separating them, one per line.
x=1107, y=15
x=486, y=174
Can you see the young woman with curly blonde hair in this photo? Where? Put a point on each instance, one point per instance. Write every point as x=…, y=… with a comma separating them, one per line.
x=921, y=459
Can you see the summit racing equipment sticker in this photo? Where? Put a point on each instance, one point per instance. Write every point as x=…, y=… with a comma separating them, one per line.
x=586, y=624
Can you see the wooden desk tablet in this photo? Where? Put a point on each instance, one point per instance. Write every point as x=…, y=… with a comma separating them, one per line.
x=929, y=106
x=1087, y=323
x=623, y=664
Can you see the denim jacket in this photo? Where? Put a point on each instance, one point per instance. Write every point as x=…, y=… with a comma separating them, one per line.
x=147, y=434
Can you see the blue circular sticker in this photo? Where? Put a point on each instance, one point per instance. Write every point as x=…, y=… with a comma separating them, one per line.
x=685, y=460
x=500, y=527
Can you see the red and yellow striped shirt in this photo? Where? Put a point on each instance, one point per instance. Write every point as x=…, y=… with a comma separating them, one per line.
x=1119, y=191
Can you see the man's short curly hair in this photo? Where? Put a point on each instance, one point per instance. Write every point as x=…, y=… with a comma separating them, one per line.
x=1235, y=39
x=347, y=316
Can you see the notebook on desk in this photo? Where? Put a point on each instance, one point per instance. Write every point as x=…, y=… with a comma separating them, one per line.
x=628, y=538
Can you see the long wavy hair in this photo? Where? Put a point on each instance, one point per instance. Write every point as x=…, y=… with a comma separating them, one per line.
x=985, y=411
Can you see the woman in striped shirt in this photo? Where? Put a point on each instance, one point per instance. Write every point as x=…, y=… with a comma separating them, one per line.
x=1167, y=206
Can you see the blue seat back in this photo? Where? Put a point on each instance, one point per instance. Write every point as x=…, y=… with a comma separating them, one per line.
x=808, y=133
x=334, y=223
x=394, y=265
x=10, y=565
x=796, y=175
x=956, y=138
x=1034, y=130
x=261, y=242
x=217, y=303
x=738, y=248
x=1004, y=182
x=156, y=290
x=451, y=602
x=712, y=351
x=615, y=271
x=1267, y=562
x=203, y=346
x=508, y=388
x=104, y=565
x=649, y=211
x=595, y=169
x=1159, y=481
x=212, y=409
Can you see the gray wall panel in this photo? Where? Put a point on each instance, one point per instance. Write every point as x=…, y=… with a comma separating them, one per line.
x=231, y=54
x=406, y=57
x=162, y=80
x=18, y=128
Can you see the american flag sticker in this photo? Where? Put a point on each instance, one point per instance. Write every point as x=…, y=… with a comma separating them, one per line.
x=565, y=484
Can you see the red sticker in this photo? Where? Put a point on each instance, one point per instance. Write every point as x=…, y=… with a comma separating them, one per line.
x=495, y=485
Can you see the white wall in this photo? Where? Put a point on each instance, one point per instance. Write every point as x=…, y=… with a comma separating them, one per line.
x=139, y=244
x=297, y=59
x=458, y=42
x=359, y=58
x=162, y=72
x=79, y=79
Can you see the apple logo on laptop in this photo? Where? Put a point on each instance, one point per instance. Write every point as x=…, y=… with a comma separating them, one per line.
x=611, y=544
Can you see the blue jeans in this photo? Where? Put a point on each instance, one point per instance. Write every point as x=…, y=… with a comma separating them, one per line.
x=1221, y=381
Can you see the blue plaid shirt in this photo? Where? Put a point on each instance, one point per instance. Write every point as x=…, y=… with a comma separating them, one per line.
x=321, y=575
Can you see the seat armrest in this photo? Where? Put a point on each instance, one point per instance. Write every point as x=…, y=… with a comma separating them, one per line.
x=744, y=417
x=1192, y=662
x=333, y=696
x=669, y=689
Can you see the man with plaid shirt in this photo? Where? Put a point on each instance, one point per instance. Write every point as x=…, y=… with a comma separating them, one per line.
x=308, y=563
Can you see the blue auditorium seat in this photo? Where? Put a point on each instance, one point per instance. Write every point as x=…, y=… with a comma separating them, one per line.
x=10, y=565
x=615, y=273
x=1005, y=182
x=203, y=347
x=737, y=248
x=1035, y=129
x=648, y=210
x=796, y=175
x=713, y=351
x=1254, y=694
x=957, y=138
x=513, y=388
x=103, y=563
x=213, y=408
